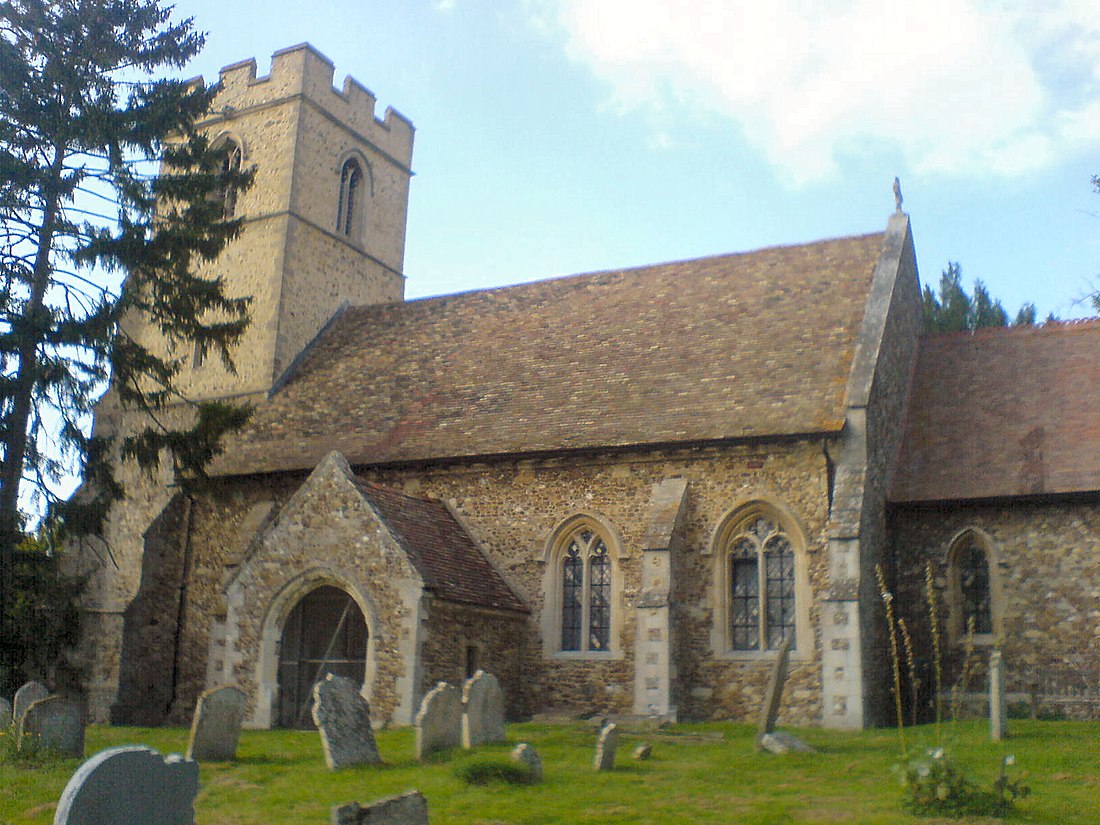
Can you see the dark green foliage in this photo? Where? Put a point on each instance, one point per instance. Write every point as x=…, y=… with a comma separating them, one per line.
x=482, y=770
x=953, y=310
x=44, y=616
x=97, y=242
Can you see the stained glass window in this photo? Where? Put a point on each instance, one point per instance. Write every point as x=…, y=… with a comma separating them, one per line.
x=572, y=589
x=761, y=586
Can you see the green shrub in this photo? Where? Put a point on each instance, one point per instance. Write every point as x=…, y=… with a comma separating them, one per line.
x=938, y=786
x=483, y=770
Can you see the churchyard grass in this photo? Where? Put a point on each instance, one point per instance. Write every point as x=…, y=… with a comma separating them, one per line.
x=693, y=777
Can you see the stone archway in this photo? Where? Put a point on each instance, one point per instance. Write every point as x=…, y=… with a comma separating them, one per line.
x=325, y=632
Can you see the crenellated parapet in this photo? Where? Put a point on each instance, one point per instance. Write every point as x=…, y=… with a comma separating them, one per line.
x=303, y=71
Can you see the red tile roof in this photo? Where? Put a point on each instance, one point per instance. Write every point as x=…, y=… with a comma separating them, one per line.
x=1003, y=412
x=746, y=345
x=441, y=550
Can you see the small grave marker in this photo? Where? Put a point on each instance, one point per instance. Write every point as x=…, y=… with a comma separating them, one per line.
x=524, y=754
x=483, y=720
x=998, y=714
x=54, y=723
x=342, y=716
x=438, y=723
x=5, y=713
x=24, y=698
x=216, y=725
x=606, y=746
x=409, y=808
x=131, y=785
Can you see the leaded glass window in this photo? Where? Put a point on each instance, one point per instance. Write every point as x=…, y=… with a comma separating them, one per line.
x=585, y=593
x=761, y=586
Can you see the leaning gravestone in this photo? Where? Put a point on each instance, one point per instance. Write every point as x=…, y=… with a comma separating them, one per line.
x=483, y=720
x=781, y=742
x=54, y=723
x=5, y=713
x=342, y=716
x=606, y=746
x=524, y=754
x=769, y=713
x=25, y=697
x=409, y=808
x=439, y=721
x=643, y=752
x=131, y=785
x=998, y=713
x=216, y=726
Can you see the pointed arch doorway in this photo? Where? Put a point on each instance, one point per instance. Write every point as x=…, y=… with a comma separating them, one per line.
x=324, y=633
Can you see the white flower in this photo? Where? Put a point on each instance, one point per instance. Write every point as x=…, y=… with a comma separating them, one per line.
x=1010, y=760
x=936, y=754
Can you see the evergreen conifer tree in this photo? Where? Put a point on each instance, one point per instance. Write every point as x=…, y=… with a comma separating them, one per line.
x=96, y=240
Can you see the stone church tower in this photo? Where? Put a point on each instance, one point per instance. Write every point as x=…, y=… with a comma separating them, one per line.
x=324, y=222
x=323, y=227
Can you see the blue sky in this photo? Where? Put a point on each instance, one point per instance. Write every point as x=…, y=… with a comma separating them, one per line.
x=561, y=136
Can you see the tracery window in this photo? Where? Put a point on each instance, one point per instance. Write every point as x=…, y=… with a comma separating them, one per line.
x=585, y=592
x=761, y=599
x=349, y=208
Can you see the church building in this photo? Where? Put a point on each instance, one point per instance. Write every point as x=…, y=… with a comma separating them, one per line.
x=619, y=492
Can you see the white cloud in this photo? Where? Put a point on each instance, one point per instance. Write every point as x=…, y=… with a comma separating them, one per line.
x=444, y=5
x=956, y=86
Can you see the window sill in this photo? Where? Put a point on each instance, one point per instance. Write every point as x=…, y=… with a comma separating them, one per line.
x=759, y=655
x=584, y=655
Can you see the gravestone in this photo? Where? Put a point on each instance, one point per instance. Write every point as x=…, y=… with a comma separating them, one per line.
x=438, y=723
x=998, y=715
x=606, y=747
x=342, y=716
x=131, y=785
x=643, y=752
x=24, y=698
x=5, y=713
x=524, y=754
x=769, y=712
x=483, y=720
x=780, y=742
x=54, y=723
x=409, y=808
x=216, y=725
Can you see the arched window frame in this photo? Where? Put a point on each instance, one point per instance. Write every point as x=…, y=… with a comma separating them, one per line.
x=356, y=187
x=964, y=543
x=570, y=534
x=234, y=160
x=732, y=542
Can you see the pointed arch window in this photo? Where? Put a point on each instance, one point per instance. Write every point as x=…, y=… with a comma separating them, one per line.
x=971, y=586
x=350, y=207
x=585, y=593
x=231, y=165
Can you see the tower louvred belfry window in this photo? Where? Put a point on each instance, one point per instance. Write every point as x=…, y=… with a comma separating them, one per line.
x=351, y=194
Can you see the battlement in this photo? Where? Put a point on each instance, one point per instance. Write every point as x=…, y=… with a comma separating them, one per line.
x=302, y=70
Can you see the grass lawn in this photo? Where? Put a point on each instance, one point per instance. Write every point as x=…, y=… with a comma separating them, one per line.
x=704, y=773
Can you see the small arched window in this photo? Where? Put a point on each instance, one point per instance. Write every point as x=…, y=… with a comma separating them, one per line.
x=350, y=206
x=971, y=585
x=231, y=164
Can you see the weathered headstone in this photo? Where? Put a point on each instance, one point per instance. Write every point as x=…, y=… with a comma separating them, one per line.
x=780, y=742
x=606, y=747
x=998, y=714
x=409, y=808
x=524, y=754
x=769, y=712
x=438, y=723
x=54, y=723
x=342, y=716
x=483, y=720
x=5, y=713
x=216, y=726
x=25, y=697
x=131, y=785
x=643, y=752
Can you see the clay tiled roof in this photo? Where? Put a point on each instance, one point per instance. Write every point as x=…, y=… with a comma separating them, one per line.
x=451, y=564
x=1003, y=412
x=746, y=345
